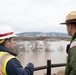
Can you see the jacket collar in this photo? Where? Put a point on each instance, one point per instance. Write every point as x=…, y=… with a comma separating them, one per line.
x=5, y=49
x=74, y=36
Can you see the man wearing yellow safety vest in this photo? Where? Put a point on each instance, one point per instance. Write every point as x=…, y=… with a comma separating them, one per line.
x=9, y=64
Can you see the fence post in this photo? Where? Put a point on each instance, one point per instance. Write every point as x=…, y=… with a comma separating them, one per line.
x=48, y=67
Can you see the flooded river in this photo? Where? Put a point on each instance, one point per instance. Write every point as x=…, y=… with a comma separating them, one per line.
x=57, y=55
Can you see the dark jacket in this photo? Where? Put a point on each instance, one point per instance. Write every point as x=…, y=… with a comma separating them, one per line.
x=14, y=67
x=71, y=59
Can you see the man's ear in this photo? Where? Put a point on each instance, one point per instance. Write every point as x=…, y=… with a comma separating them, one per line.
x=71, y=26
x=7, y=43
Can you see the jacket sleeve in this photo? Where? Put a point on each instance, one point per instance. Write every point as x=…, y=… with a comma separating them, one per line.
x=72, y=62
x=14, y=67
x=68, y=68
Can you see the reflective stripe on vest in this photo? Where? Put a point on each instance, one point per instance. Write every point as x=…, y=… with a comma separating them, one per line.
x=4, y=58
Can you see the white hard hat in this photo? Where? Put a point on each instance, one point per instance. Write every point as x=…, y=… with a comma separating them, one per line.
x=6, y=32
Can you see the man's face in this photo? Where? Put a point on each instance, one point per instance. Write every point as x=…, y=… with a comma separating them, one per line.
x=10, y=43
x=69, y=29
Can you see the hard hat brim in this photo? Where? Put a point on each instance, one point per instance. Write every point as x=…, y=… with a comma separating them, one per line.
x=13, y=35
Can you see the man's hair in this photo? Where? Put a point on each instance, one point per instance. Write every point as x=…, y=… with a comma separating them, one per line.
x=3, y=43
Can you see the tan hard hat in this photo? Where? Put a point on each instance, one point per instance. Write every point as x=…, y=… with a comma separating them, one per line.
x=70, y=18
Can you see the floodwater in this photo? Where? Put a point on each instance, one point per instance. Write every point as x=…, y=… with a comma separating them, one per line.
x=57, y=55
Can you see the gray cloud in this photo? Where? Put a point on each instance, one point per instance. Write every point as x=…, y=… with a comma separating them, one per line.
x=35, y=15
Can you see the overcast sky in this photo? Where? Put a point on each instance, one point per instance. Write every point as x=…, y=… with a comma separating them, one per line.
x=35, y=15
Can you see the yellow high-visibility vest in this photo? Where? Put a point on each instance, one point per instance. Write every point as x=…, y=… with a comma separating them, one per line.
x=4, y=58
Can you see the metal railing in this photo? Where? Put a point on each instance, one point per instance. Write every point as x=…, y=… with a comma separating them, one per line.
x=49, y=66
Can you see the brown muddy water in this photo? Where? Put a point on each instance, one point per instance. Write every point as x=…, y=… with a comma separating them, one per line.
x=57, y=55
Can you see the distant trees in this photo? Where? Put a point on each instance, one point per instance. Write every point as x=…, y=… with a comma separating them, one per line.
x=34, y=46
x=19, y=46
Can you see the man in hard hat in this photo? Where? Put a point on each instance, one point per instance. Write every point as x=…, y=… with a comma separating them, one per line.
x=71, y=49
x=9, y=63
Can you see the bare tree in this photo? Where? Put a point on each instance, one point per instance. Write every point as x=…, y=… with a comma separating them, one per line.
x=19, y=46
x=61, y=48
x=34, y=45
x=47, y=45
